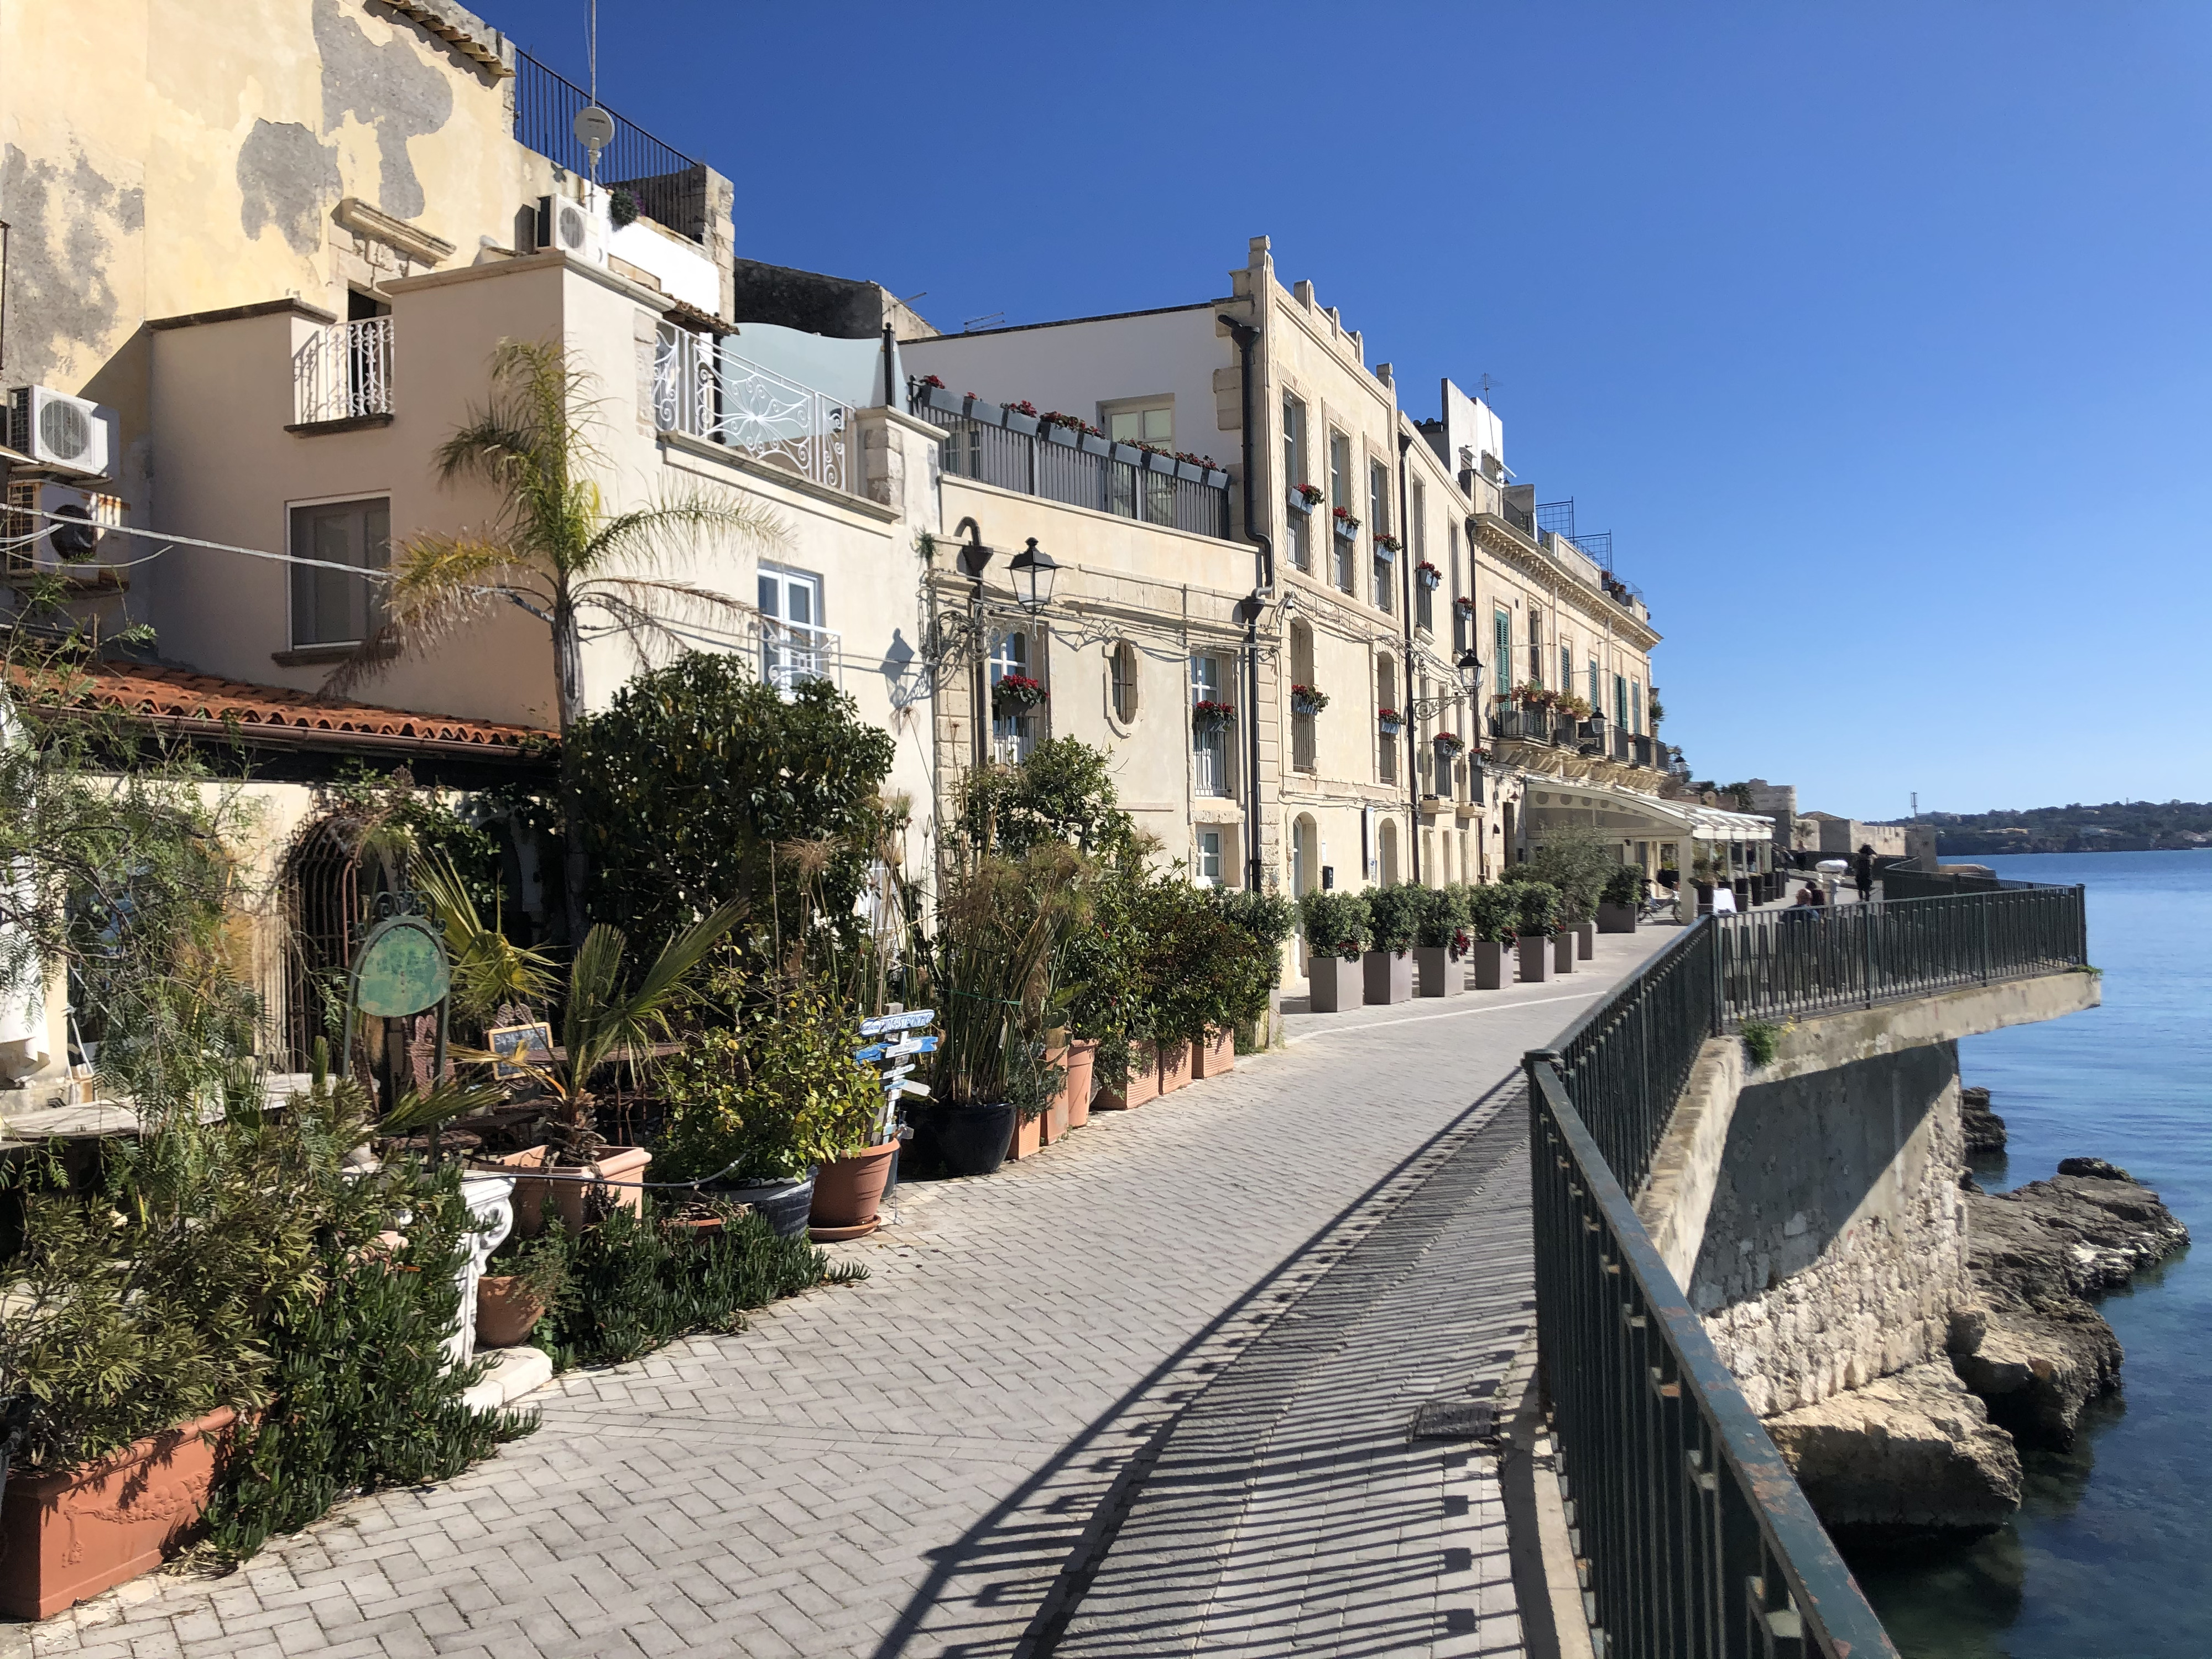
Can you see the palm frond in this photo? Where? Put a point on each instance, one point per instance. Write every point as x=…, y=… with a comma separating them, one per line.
x=416, y=1110
x=653, y=538
x=489, y=968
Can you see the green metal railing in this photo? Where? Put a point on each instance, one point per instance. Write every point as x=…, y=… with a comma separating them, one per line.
x=1697, y=1539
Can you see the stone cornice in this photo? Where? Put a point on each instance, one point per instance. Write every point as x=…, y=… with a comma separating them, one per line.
x=1496, y=536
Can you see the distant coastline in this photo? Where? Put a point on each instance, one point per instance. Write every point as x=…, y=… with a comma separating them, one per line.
x=2113, y=827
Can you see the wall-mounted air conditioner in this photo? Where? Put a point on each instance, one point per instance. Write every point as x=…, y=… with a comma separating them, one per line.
x=55, y=429
x=580, y=229
x=58, y=527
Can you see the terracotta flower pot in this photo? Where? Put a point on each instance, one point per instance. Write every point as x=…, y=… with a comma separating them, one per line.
x=1144, y=1084
x=1075, y=1089
x=529, y=1192
x=1216, y=1055
x=848, y=1193
x=1026, y=1137
x=74, y=1533
x=621, y=1167
x=506, y=1311
x=1174, y=1066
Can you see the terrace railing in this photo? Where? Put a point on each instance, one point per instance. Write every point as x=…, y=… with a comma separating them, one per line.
x=1698, y=1539
x=668, y=184
x=1077, y=469
x=715, y=394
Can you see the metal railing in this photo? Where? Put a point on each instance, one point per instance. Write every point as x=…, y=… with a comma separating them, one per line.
x=1522, y=725
x=1698, y=1539
x=1304, y=743
x=1934, y=884
x=665, y=181
x=711, y=393
x=1076, y=474
x=792, y=653
x=344, y=372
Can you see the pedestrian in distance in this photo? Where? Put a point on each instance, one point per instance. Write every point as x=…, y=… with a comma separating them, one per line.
x=1863, y=873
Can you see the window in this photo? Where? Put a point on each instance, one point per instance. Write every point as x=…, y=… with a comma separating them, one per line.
x=1150, y=421
x=1121, y=680
x=1386, y=697
x=1501, y=651
x=1384, y=584
x=1302, y=743
x=1339, y=494
x=793, y=644
x=1620, y=703
x=1536, y=646
x=1294, y=474
x=1014, y=731
x=1209, y=858
x=1209, y=742
x=329, y=607
x=1635, y=706
x=1378, y=499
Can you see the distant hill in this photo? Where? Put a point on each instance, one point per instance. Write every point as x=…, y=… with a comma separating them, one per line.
x=2131, y=826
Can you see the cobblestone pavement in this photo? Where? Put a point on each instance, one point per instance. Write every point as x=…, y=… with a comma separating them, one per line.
x=923, y=1464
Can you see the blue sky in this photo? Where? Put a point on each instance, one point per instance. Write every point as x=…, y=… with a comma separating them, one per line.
x=1878, y=334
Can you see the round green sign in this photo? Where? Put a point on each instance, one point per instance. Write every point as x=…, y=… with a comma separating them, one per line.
x=401, y=971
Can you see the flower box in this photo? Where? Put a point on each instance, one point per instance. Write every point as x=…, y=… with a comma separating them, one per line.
x=1347, y=526
x=1188, y=473
x=1156, y=462
x=1127, y=455
x=1017, y=694
x=1021, y=421
x=69, y=1535
x=1305, y=497
x=1464, y=605
x=950, y=403
x=1390, y=721
x=1431, y=577
x=1066, y=436
x=984, y=411
x=1300, y=505
x=1212, y=716
x=1218, y=477
x=1308, y=700
x=1447, y=744
x=1094, y=444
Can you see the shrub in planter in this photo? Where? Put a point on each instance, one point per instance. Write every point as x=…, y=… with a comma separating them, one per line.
x=1269, y=918
x=1493, y=917
x=1578, y=861
x=1337, y=931
x=1537, y=910
x=1199, y=971
x=770, y=1099
x=1440, y=940
x=1620, y=899
x=1394, y=914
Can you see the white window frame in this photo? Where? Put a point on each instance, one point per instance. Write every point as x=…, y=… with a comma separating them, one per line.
x=792, y=653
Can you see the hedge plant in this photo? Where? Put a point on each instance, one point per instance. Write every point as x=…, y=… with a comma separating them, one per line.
x=1336, y=923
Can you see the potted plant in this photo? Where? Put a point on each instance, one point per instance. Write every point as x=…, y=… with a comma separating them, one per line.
x=1208, y=717
x=1021, y=417
x=1337, y=931
x=1578, y=861
x=1449, y=745
x=1390, y=721
x=1063, y=429
x=1347, y=525
x=1308, y=699
x=930, y=391
x=1305, y=498
x=1623, y=896
x=1002, y=920
x=1429, y=576
x=1393, y=919
x=1465, y=605
x=1535, y=913
x=1387, y=547
x=1127, y=455
x=1440, y=942
x=1701, y=883
x=524, y=1278
x=1493, y=915
x=1016, y=694
x=983, y=409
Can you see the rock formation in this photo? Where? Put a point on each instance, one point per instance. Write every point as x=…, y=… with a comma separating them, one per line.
x=1985, y=1129
x=1908, y=1460
x=2029, y=1344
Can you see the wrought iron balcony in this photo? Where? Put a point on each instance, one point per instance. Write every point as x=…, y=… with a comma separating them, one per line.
x=344, y=372
x=707, y=391
x=1517, y=724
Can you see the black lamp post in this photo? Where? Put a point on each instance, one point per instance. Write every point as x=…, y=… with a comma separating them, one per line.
x=1035, y=571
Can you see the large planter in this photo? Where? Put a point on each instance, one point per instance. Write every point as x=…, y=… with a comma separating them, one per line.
x=1743, y=900
x=972, y=1140
x=1065, y=435
x=1075, y=1087
x=1018, y=422
x=1143, y=1084
x=1534, y=950
x=1172, y=1065
x=1442, y=973
x=1052, y=1122
x=1094, y=444
x=784, y=1205
x=1214, y=1055
x=616, y=1171
x=1585, y=940
x=71, y=1534
x=1389, y=975
x=1336, y=985
x=506, y=1312
x=1563, y=950
x=848, y=1191
x=1489, y=964
x=1616, y=918
x=950, y=403
x=1703, y=890
x=529, y=1190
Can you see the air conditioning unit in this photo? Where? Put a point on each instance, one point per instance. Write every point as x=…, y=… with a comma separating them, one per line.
x=55, y=429
x=580, y=229
x=59, y=527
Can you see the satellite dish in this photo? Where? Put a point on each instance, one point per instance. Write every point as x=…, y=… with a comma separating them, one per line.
x=595, y=129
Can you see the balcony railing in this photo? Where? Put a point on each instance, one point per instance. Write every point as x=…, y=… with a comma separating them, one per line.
x=1697, y=1537
x=670, y=188
x=1074, y=469
x=344, y=372
x=1304, y=747
x=1522, y=725
x=712, y=394
x=792, y=653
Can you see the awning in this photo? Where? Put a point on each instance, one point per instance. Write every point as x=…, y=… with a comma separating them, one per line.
x=1631, y=815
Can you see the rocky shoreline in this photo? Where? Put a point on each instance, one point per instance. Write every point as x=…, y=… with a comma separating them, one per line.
x=1931, y=1454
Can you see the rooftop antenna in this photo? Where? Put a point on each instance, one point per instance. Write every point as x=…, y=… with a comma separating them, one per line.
x=1916, y=806
x=595, y=128
x=1488, y=385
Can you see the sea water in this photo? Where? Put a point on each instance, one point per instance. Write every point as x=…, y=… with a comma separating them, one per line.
x=2111, y=1553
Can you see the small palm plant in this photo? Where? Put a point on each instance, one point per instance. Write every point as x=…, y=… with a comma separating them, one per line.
x=555, y=550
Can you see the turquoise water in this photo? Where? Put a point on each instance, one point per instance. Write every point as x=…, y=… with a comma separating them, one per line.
x=2111, y=1551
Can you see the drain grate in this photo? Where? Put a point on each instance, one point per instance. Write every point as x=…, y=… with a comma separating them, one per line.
x=1453, y=1419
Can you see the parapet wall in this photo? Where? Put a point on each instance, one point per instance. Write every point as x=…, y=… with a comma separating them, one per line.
x=1810, y=1207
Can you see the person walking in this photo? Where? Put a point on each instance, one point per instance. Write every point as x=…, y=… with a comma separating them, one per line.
x=1863, y=873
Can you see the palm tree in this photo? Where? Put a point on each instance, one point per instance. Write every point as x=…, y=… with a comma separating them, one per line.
x=555, y=550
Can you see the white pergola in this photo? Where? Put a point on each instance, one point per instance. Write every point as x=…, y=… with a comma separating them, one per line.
x=1656, y=833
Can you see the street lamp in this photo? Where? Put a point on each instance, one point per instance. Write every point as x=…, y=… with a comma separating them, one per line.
x=1034, y=570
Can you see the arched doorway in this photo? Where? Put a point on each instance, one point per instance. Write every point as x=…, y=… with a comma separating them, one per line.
x=1305, y=867
x=330, y=886
x=1386, y=842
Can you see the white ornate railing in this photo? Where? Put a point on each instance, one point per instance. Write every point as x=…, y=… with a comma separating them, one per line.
x=793, y=652
x=732, y=401
x=344, y=372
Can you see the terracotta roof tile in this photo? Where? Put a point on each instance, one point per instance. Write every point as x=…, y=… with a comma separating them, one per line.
x=177, y=694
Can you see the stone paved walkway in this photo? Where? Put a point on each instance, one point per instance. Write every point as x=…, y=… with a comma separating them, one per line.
x=929, y=1463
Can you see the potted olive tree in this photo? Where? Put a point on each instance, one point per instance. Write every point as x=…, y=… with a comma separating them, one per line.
x=1535, y=915
x=1621, y=900
x=1336, y=928
x=1441, y=940
x=1394, y=919
x=1578, y=861
x=1494, y=914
